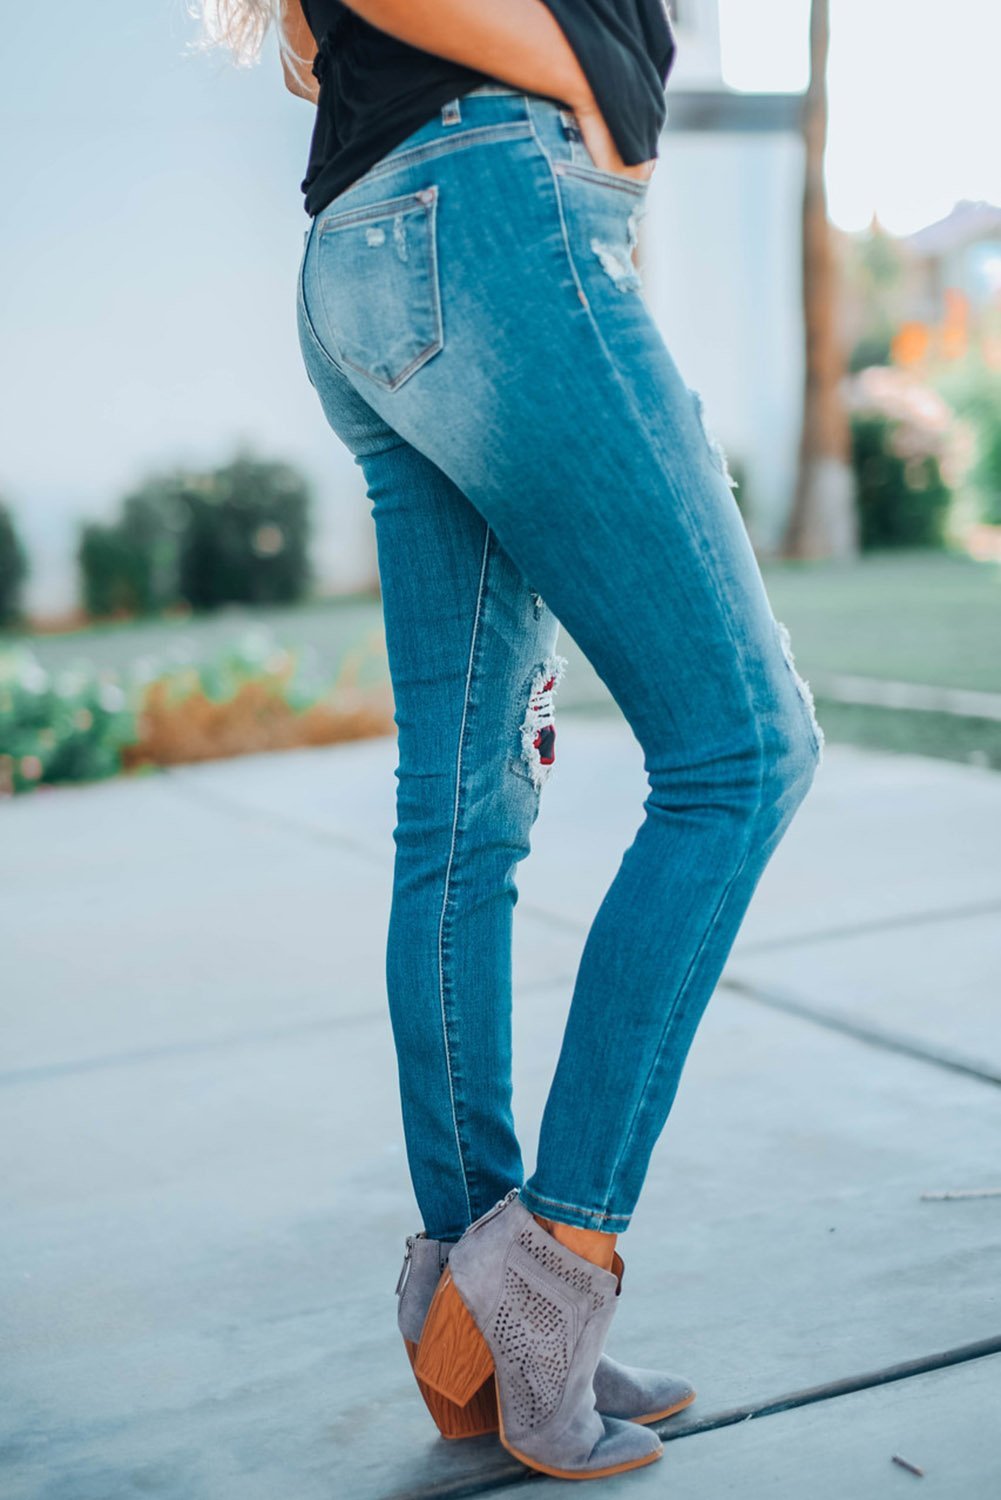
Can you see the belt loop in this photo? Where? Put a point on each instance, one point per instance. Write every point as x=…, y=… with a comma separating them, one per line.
x=451, y=114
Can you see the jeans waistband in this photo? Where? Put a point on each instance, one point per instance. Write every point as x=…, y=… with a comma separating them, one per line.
x=494, y=104
x=494, y=110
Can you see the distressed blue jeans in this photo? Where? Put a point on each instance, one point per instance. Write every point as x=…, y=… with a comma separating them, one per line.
x=473, y=324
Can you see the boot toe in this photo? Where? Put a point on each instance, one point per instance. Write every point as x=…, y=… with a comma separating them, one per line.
x=623, y=1445
x=638, y=1394
x=620, y=1446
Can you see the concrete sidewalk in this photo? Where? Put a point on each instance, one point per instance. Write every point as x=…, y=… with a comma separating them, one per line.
x=206, y=1194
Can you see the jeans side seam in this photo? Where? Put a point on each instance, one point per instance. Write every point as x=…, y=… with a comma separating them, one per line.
x=725, y=611
x=477, y=616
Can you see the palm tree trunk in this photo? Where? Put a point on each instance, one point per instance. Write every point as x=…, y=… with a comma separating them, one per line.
x=822, y=522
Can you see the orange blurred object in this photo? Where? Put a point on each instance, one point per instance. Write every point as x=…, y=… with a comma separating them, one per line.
x=910, y=343
x=178, y=730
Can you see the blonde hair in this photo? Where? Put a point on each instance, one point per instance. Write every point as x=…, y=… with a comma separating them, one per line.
x=242, y=25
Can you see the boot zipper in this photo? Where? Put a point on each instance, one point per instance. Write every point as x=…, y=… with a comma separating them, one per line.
x=405, y=1268
x=501, y=1203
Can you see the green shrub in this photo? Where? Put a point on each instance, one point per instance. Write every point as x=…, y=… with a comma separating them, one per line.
x=902, y=435
x=973, y=388
x=988, y=470
x=247, y=537
x=66, y=727
x=133, y=566
x=13, y=569
x=238, y=534
x=902, y=502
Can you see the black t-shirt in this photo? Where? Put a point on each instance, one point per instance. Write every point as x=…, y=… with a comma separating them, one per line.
x=375, y=90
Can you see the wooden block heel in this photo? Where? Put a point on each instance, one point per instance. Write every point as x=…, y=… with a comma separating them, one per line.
x=453, y=1357
x=475, y=1419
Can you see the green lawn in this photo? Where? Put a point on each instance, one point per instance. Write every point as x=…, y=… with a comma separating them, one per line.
x=932, y=618
x=330, y=628
x=915, y=617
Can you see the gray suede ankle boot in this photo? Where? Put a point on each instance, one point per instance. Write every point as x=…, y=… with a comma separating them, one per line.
x=515, y=1303
x=626, y=1391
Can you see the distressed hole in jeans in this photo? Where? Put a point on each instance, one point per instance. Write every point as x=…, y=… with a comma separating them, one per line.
x=803, y=687
x=538, y=730
x=400, y=236
x=715, y=446
x=617, y=260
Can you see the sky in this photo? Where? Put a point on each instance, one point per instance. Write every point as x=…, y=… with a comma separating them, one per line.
x=153, y=223
x=913, y=88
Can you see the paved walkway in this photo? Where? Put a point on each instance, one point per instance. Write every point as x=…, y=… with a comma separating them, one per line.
x=205, y=1194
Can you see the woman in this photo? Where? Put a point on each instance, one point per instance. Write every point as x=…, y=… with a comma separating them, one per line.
x=471, y=318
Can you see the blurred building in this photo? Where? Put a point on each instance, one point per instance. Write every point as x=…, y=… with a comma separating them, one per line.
x=722, y=243
x=962, y=253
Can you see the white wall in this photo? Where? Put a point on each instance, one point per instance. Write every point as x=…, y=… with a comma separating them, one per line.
x=152, y=226
x=723, y=279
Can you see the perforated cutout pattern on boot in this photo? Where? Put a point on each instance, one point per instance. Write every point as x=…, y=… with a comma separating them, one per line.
x=532, y=1335
x=551, y=1260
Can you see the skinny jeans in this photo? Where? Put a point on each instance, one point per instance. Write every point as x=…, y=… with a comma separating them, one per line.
x=474, y=326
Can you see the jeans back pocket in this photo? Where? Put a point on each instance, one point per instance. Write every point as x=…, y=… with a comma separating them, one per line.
x=377, y=275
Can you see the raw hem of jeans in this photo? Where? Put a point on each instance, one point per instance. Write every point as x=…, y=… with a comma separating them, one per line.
x=572, y=1213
